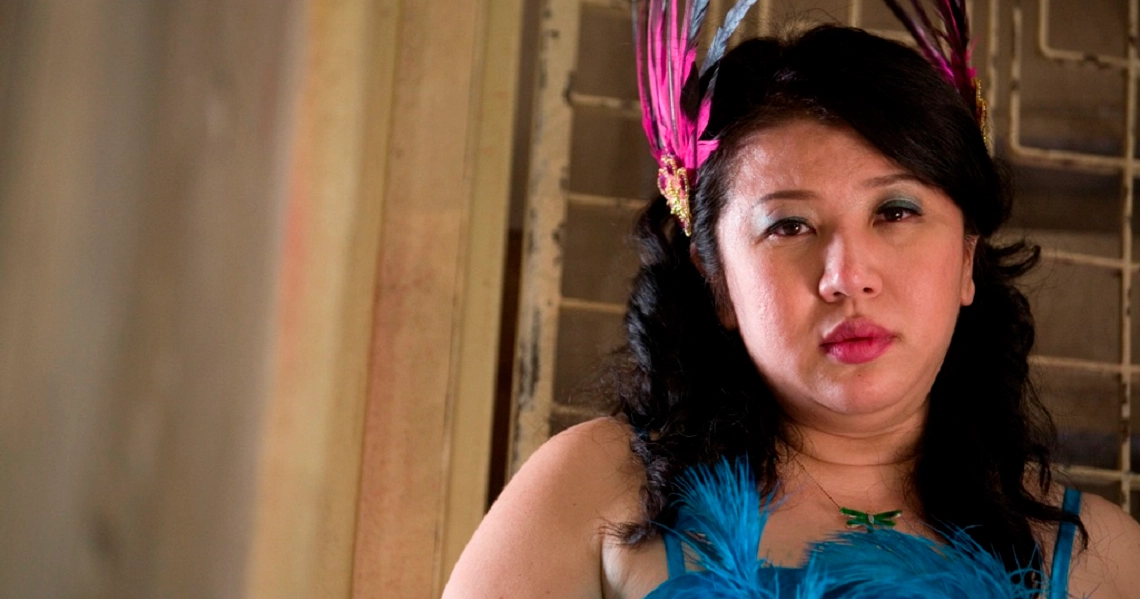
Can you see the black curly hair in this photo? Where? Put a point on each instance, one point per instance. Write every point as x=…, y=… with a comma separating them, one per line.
x=686, y=384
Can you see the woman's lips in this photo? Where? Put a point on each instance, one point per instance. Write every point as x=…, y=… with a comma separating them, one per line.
x=857, y=341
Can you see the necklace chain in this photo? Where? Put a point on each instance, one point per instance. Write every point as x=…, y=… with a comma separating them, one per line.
x=819, y=486
x=855, y=518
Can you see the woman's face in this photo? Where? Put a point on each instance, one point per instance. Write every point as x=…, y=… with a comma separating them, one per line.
x=845, y=273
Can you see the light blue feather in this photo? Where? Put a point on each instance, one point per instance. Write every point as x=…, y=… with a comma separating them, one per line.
x=723, y=504
x=721, y=518
x=887, y=563
x=697, y=19
x=720, y=39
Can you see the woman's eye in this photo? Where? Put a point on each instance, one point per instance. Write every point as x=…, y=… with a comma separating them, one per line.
x=788, y=228
x=898, y=211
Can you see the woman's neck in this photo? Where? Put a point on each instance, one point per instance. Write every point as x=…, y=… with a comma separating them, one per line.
x=857, y=441
x=860, y=462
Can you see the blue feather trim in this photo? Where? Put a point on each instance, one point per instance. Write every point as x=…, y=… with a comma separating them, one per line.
x=721, y=518
x=719, y=43
x=696, y=20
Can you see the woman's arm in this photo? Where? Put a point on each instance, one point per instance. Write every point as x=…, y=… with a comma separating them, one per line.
x=543, y=536
x=1110, y=568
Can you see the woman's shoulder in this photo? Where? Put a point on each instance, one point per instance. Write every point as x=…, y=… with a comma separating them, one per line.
x=602, y=440
x=545, y=532
x=1110, y=565
x=590, y=461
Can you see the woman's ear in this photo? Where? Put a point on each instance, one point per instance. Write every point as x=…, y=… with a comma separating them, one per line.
x=695, y=258
x=726, y=314
x=724, y=310
x=968, y=270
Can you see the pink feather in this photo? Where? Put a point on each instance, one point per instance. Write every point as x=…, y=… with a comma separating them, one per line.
x=948, y=48
x=666, y=58
x=666, y=64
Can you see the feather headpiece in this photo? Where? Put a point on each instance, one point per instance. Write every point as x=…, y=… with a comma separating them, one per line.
x=948, y=49
x=666, y=43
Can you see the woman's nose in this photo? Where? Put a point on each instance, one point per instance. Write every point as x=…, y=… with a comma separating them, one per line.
x=849, y=268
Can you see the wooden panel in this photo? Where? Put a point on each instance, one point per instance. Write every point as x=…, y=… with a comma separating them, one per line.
x=473, y=395
x=438, y=282
x=401, y=484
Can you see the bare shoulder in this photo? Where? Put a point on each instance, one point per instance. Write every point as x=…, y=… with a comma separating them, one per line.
x=544, y=535
x=587, y=467
x=581, y=449
x=1110, y=566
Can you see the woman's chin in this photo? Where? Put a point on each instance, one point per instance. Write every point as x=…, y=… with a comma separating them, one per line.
x=866, y=400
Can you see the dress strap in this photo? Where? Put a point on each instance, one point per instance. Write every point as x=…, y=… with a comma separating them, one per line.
x=1063, y=551
x=674, y=553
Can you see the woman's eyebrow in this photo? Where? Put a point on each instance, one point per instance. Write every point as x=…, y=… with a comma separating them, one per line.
x=886, y=180
x=806, y=194
x=788, y=194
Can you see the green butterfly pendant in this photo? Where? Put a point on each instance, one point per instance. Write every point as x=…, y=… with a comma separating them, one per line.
x=857, y=519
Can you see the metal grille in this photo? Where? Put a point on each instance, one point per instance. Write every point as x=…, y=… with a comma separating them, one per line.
x=1073, y=154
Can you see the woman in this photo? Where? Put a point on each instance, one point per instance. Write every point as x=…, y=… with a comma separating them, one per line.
x=834, y=311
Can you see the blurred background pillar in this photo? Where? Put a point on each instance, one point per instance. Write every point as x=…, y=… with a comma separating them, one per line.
x=143, y=154
x=250, y=268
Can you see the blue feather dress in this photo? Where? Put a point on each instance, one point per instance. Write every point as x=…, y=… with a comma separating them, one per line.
x=721, y=518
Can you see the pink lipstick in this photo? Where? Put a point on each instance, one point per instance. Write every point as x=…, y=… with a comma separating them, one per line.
x=857, y=341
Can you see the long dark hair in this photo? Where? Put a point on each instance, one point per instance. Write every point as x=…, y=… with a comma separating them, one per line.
x=688, y=387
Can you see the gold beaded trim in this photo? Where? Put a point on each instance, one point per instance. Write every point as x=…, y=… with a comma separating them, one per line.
x=673, y=182
x=982, y=115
